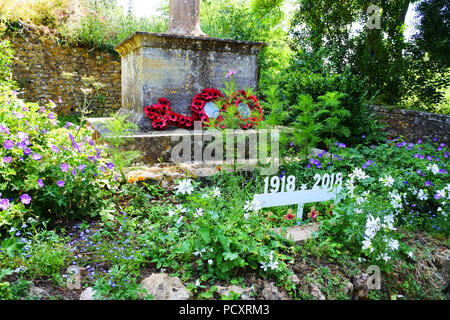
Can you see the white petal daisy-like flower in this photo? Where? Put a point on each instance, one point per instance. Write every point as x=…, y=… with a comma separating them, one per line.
x=184, y=186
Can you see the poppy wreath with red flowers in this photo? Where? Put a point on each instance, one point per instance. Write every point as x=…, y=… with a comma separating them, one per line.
x=199, y=102
x=254, y=106
x=162, y=115
x=159, y=114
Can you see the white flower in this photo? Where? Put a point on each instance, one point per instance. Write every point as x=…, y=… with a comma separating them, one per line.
x=387, y=181
x=433, y=168
x=210, y=261
x=366, y=193
x=358, y=211
x=360, y=200
x=246, y=215
x=252, y=206
x=216, y=192
x=385, y=257
x=367, y=244
x=198, y=212
x=264, y=266
x=179, y=209
x=184, y=186
x=197, y=283
x=389, y=222
x=205, y=196
x=411, y=254
x=360, y=174
x=441, y=193
x=350, y=186
x=422, y=195
x=393, y=244
x=372, y=226
x=199, y=252
x=273, y=265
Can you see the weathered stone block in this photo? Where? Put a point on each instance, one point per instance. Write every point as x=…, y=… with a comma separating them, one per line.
x=177, y=67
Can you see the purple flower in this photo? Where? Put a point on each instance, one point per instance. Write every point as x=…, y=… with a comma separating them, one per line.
x=110, y=166
x=81, y=167
x=40, y=183
x=4, y=129
x=4, y=204
x=55, y=149
x=25, y=199
x=64, y=167
x=74, y=172
x=60, y=183
x=36, y=157
x=230, y=73
x=51, y=116
x=7, y=159
x=22, y=144
x=419, y=171
x=428, y=183
x=8, y=144
x=437, y=196
x=26, y=151
x=363, y=136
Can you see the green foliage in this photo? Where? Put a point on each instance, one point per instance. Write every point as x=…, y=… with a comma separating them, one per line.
x=335, y=115
x=89, y=90
x=251, y=20
x=309, y=75
x=118, y=129
x=119, y=286
x=307, y=125
x=104, y=25
x=46, y=169
x=6, y=56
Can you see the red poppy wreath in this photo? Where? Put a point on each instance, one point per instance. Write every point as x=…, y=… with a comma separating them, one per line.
x=249, y=110
x=162, y=115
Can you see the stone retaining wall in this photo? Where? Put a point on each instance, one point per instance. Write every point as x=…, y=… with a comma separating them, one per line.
x=39, y=62
x=414, y=125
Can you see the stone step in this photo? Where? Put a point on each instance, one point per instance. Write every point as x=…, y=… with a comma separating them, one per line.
x=300, y=233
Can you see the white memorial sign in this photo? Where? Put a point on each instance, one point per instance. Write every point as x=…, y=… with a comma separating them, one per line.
x=281, y=191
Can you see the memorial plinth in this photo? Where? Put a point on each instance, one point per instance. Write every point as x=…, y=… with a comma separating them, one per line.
x=177, y=67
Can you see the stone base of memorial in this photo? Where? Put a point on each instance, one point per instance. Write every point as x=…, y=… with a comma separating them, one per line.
x=157, y=146
x=177, y=67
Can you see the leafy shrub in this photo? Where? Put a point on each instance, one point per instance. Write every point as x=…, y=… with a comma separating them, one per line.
x=393, y=185
x=6, y=56
x=307, y=75
x=49, y=13
x=211, y=233
x=46, y=169
x=104, y=25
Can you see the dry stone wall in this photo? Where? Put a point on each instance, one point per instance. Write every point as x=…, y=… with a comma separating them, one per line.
x=414, y=125
x=39, y=63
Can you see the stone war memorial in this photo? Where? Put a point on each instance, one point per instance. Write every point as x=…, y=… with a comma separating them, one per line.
x=177, y=65
x=224, y=150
